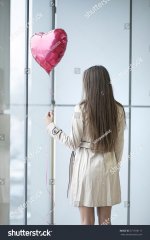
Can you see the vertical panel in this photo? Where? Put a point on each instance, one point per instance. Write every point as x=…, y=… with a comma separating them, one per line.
x=39, y=80
x=17, y=111
x=4, y=113
x=38, y=140
x=17, y=201
x=4, y=54
x=65, y=214
x=4, y=168
x=17, y=58
x=4, y=107
x=140, y=196
x=38, y=168
x=102, y=38
x=141, y=53
x=119, y=212
x=140, y=165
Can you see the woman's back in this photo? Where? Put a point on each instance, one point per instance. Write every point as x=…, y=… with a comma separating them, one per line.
x=86, y=136
x=100, y=109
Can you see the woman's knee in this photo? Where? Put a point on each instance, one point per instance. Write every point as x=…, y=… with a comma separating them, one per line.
x=87, y=215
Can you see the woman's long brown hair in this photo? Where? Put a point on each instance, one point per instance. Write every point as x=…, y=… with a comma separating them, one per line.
x=100, y=108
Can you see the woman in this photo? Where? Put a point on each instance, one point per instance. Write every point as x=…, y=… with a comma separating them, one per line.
x=97, y=139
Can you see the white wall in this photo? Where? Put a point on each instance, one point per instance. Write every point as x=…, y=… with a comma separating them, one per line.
x=100, y=39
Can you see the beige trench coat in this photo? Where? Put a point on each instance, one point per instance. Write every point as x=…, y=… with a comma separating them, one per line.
x=95, y=177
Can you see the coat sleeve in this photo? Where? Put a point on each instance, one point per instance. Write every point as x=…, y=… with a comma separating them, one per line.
x=73, y=140
x=120, y=138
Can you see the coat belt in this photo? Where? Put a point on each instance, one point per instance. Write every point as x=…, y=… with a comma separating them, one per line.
x=85, y=144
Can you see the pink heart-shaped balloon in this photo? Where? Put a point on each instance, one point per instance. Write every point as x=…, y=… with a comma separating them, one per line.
x=48, y=48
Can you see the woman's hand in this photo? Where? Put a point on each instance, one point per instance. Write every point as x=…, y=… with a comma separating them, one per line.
x=49, y=118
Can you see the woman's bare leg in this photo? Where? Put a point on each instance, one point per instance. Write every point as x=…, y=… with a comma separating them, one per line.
x=87, y=215
x=104, y=215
